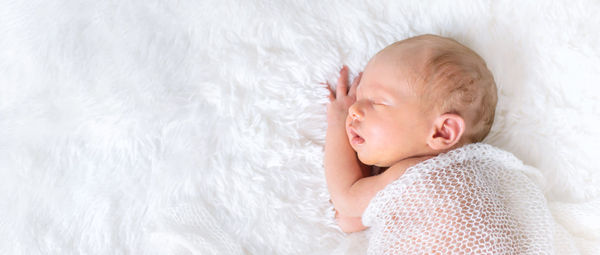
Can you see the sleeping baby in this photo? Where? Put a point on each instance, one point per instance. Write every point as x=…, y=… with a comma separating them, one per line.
x=419, y=112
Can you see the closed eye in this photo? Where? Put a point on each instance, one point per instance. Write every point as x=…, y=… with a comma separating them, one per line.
x=379, y=104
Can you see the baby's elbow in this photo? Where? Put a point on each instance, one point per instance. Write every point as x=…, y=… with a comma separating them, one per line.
x=349, y=224
x=351, y=228
x=347, y=206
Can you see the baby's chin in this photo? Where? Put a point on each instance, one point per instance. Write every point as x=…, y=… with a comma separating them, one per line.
x=362, y=158
x=370, y=161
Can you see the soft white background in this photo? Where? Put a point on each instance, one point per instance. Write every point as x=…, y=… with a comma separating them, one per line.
x=144, y=127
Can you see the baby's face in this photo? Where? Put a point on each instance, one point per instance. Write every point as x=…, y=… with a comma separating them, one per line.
x=387, y=123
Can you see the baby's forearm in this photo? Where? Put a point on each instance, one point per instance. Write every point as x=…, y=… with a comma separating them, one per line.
x=342, y=167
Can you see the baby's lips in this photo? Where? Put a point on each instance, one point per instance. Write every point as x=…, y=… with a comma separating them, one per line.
x=358, y=140
x=355, y=138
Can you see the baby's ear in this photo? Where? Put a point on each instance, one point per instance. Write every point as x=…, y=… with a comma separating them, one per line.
x=447, y=130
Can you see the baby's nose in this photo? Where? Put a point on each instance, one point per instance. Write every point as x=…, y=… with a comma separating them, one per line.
x=355, y=112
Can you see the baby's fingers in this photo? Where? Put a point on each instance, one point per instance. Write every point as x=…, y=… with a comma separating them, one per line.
x=342, y=85
x=331, y=92
x=354, y=84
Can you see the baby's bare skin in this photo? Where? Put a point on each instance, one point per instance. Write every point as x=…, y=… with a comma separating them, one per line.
x=354, y=224
x=380, y=120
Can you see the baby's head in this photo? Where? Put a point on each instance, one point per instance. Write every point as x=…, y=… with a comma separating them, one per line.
x=421, y=96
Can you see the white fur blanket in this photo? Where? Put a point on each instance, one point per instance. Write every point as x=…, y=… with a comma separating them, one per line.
x=198, y=126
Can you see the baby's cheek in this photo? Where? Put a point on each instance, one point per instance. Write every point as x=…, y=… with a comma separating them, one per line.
x=381, y=134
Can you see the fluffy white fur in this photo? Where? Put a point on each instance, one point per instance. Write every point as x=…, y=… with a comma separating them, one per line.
x=129, y=125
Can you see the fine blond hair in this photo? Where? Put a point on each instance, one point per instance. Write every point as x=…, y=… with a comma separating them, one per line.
x=456, y=80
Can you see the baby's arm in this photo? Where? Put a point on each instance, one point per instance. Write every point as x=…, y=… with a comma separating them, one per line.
x=349, y=224
x=349, y=182
x=350, y=186
x=342, y=167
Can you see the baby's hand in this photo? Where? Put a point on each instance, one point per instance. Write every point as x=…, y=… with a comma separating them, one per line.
x=341, y=99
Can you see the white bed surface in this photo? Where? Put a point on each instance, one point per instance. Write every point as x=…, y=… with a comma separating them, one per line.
x=145, y=127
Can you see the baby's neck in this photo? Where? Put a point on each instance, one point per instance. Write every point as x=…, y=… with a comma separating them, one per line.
x=401, y=166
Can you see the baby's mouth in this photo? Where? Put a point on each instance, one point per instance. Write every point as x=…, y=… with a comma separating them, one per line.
x=356, y=139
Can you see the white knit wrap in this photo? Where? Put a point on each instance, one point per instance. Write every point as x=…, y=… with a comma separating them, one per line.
x=472, y=200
